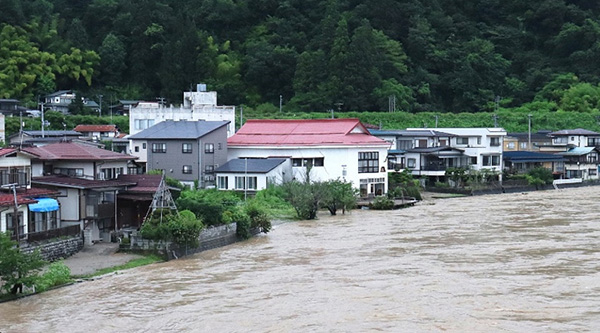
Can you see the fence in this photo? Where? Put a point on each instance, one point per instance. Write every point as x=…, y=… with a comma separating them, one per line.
x=72, y=230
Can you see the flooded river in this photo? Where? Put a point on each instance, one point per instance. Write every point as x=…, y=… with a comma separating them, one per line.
x=526, y=262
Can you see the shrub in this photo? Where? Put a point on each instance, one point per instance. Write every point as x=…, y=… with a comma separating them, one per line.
x=258, y=217
x=182, y=229
x=338, y=194
x=243, y=224
x=382, y=203
x=539, y=176
x=58, y=273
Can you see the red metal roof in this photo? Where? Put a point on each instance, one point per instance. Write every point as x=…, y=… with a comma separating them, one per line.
x=24, y=196
x=64, y=181
x=6, y=151
x=304, y=132
x=74, y=151
x=95, y=128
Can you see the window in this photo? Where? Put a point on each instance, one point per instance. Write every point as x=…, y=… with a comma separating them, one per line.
x=209, y=169
x=71, y=172
x=220, y=145
x=493, y=160
x=411, y=163
x=144, y=145
x=142, y=124
x=209, y=148
x=494, y=141
x=478, y=140
x=473, y=160
x=187, y=169
x=303, y=162
x=422, y=143
x=462, y=141
x=404, y=144
x=137, y=149
x=159, y=147
x=186, y=148
x=11, y=227
x=523, y=145
x=252, y=183
x=240, y=183
x=510, y=145
x=222, y=182
x=592, y=172
x=368, y=162
x=110, y=173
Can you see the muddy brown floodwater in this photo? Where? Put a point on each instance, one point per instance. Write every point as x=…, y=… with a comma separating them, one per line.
x=526, y=262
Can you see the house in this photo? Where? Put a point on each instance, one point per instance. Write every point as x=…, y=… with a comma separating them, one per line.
x=60, y=101
x=564, y=140
x=86, y=179
x=404, y=142
x=430, y=153
x=524, y=161
x=197, y=105
x=527, y=141
x=97, y=132
x=37, y=209
x=253, y=174
x=581, y=162
x=188, y=151
x=77, y=160
x=11, y=107
x=134, y=201
x=123, y=107
x=28, y=137
x=326, y=149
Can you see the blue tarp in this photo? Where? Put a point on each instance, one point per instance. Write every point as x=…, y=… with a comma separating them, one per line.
x=44, y=205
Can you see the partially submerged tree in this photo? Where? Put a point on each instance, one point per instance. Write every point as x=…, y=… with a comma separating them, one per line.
x=338, y=194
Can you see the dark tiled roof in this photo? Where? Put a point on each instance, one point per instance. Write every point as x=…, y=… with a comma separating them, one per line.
x=577, y=131
x=433, y=149
x=170, y=129
x=144, y=183
x=50, y=133
x=64, y=181
x=254, y=165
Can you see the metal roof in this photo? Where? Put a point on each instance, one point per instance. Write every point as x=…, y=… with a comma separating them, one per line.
x=178, y=130
x=411, y=133
x=530, y=156
x=577, y=131
x=577, y=151
x=251, y=165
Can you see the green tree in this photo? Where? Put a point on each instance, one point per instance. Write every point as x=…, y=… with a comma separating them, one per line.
x=112, y=54
x=17, y=267
x=338, y=194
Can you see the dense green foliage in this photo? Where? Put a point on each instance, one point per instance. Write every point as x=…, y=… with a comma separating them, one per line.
x=211, y=206
x=539, y=176
x=17, y=267
x=444, y=56
x=57, y=274
x=403, y=184
x=182, y=229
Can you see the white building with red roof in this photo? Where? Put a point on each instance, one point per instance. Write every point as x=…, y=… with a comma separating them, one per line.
x=98, y=132
x=335, y=148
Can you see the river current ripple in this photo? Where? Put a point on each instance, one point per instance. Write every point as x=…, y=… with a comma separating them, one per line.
x=520, y=262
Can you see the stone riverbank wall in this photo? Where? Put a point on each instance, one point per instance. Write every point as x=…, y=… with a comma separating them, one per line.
x=55, y=249
x=209, y=238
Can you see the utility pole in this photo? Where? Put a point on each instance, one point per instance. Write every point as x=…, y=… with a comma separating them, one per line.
x=100, y=112
x=339, y=106
x=529, y=132
x=280, y=103
x=241, y=115
x=15, y=218
x=43, y=122
x=495, y=117
x=436, y=121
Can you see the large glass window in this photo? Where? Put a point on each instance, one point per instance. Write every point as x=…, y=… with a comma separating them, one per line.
x=368, y=162
x=186, y=148
x=209, y=148
x=462, y=141
x=240, y=183
x=494, y=141
x=187, y=169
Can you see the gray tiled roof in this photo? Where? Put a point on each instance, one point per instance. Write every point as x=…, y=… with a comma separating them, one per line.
x=170, y=129
x=254, y=165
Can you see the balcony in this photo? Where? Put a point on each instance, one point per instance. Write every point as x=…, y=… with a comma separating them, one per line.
x=21, y=178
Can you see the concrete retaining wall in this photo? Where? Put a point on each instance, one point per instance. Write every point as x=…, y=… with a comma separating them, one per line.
x=209, y=238
x=55, y=250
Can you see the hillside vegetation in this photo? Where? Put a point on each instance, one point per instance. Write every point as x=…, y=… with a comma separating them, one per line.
x=431, y=56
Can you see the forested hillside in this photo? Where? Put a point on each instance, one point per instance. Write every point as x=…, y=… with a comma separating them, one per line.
x=439, y=56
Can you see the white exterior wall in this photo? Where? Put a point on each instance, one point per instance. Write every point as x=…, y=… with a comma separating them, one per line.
x=112, y=164
x=2, y=128
x=22, y=209
x=473, y=148
x=142, y=154
x=339, y=162
x=69, y=205
x=282, y=173
x=20, y=160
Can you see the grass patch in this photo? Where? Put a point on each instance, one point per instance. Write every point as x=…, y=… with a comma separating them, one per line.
x=448, y=196
x=150, y=259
